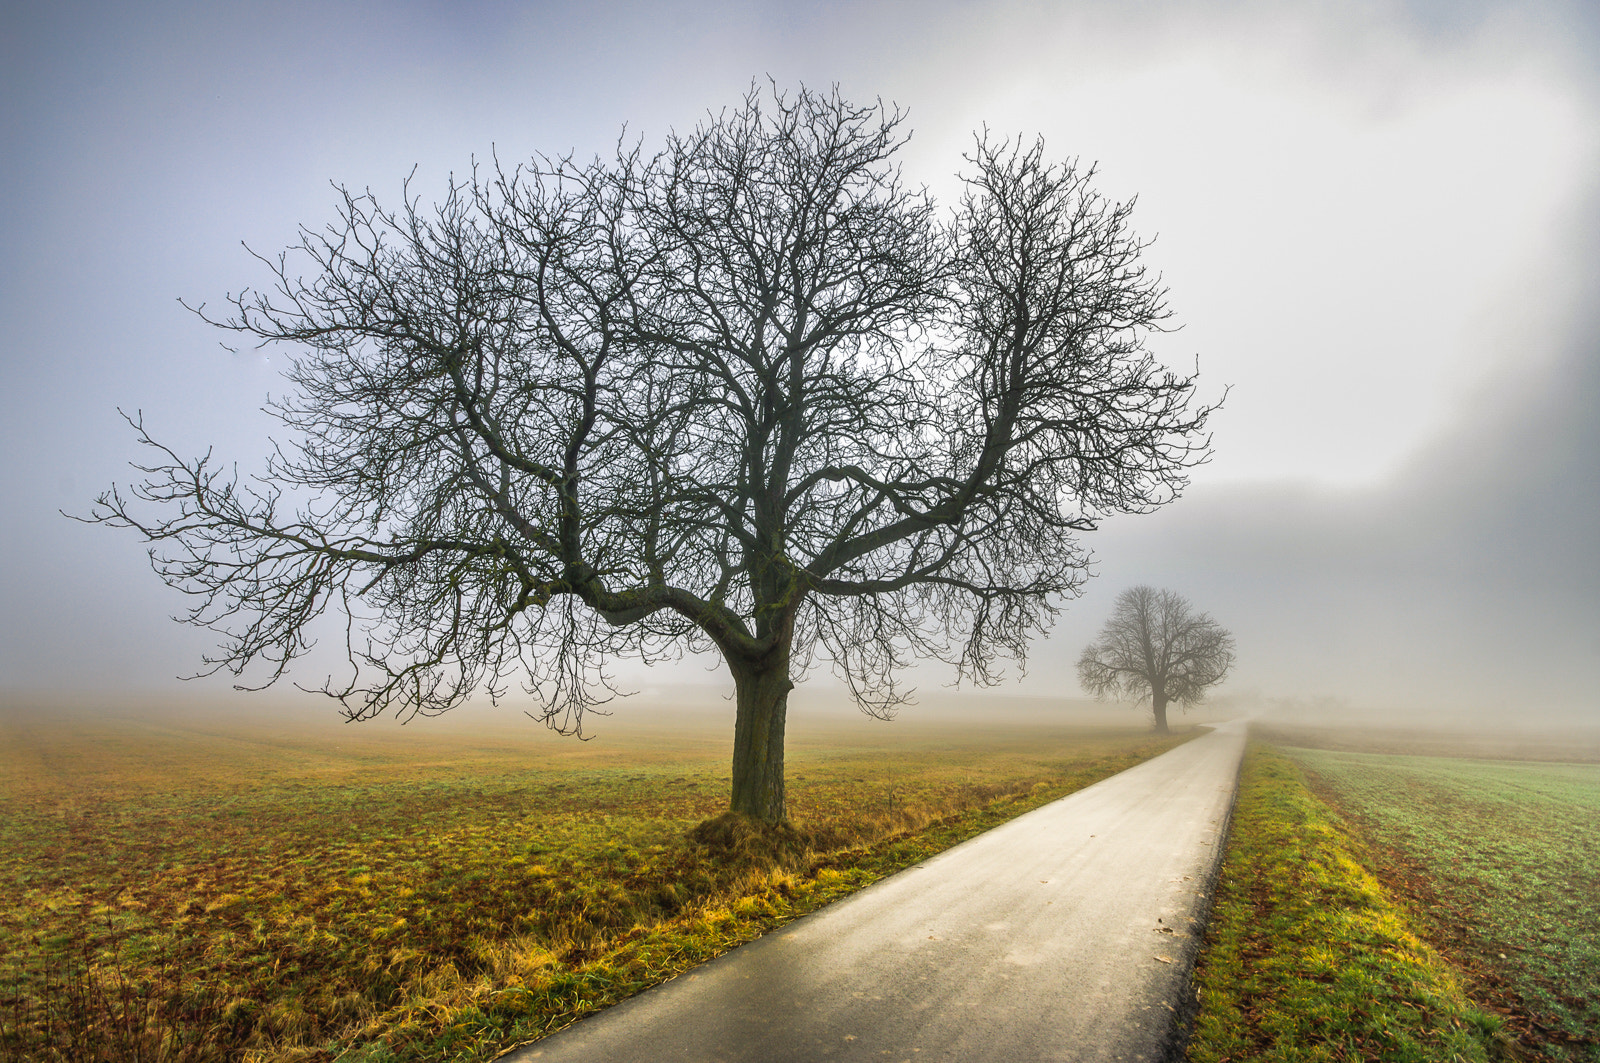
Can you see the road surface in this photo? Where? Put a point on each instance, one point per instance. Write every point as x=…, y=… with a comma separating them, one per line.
x=1066, y=934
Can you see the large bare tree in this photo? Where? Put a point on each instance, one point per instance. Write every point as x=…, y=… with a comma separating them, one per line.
x=750, y=393
x=1156, y=646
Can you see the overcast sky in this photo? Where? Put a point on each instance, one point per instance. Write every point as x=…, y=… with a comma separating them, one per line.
x=1379, y=222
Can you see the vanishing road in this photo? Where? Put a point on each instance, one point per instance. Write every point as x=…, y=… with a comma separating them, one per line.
x=1065, y=934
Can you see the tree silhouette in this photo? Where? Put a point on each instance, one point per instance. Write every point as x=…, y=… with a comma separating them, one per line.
x=750, y=393
x=1155, y=645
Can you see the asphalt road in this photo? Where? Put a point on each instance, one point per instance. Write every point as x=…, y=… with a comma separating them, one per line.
x=1067, y=934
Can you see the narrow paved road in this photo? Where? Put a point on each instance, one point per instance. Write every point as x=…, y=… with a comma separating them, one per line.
x=1066, y=934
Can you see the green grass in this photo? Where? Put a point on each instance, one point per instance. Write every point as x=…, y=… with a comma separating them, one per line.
x=1501, y=864
x=187, y=891
x=1307, y=956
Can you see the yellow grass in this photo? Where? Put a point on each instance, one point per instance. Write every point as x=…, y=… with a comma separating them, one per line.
x=188, y=888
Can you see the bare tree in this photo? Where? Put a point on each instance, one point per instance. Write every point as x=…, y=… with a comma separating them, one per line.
x=751, y=393
x=1156, y=646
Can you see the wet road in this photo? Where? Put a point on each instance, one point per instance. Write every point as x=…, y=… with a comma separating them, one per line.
x=1066, y=934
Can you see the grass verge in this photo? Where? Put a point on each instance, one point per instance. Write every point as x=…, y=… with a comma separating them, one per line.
x=1307, y=957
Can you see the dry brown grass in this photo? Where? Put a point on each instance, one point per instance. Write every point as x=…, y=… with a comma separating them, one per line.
x=185, y=889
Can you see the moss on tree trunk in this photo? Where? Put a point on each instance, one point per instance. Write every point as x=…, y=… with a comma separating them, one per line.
x=761, y=691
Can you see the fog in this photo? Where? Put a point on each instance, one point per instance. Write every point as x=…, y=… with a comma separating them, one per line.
x=1379, y=223
x=1466, y=584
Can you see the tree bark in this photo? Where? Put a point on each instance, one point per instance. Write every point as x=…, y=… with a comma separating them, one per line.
x=1158, y=704
x=761, y=691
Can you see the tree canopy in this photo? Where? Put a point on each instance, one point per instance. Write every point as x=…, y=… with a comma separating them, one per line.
x=1155, y=645
x=751, y=393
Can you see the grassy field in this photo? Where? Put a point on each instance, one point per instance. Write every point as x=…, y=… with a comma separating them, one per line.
x=1307, y=956
x=1369, y=904
x=180, y=889
x=1500, y=862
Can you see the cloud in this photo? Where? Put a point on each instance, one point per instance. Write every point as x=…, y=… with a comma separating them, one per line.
x=1347, y=207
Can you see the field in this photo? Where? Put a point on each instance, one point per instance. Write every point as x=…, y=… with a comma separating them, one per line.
x=1399, y=906
x=1307, y=957
x=1500, y=861
x=181, y=889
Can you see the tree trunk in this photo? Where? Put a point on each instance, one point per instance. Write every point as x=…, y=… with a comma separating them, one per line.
x=1158, y=703
x=761, y=691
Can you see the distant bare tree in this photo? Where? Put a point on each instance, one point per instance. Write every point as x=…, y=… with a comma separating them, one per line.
x=751, y=393
x=1155, y=645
